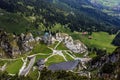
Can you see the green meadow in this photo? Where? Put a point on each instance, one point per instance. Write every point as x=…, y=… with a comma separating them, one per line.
x=14, y=67
x=101, y=40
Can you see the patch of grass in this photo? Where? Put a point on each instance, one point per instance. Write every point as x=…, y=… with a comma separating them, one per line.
x=33, y=74
x=92, y=55
x=2, y=62
x=62, y=46
x=41, y=48
x=79, y=55
x=41, y=57
x=67, y=57
x=14, y=66
x=54, y=59
x=53, y=45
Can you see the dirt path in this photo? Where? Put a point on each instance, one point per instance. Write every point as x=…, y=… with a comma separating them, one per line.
x=24, y=65
x=38, y=75
x=70, y=55
x=25, y=70
x=57, y=44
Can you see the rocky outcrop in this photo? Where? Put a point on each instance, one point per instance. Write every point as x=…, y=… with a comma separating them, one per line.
x=48, y=38
x=116, y=40
x=107, y=65
x=8, y=44
x=100, y=61
x=13, y=45
x=41, y=64
x=74, y=45
x=26, y=42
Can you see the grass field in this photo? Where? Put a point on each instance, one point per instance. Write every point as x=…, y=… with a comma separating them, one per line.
x=100, y=40
x=41, y=48
x=54, y=59
x=41, y=57
x=14, y=66
x=53, y=45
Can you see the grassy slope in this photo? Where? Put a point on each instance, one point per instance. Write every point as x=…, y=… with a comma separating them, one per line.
x=41, y=48
x=53, y=45
x=14, y=67
x=54, y=59
x=41, y=57
x=100, y=40
x=62, y=46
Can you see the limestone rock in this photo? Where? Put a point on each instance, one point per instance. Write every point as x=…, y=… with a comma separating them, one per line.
x=75, y=46
x=26, y=42
x=14, y=45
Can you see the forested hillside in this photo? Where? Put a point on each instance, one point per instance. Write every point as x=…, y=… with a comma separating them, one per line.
x=111, y=7
x=78, y=15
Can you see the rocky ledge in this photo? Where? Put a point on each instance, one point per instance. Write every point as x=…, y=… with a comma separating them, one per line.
x=75, y=46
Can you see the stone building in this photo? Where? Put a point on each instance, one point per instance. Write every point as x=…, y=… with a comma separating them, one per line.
x=48, y=39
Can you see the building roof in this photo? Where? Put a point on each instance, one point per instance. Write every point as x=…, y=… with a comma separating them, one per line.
x=46, y=34
x=69, y=65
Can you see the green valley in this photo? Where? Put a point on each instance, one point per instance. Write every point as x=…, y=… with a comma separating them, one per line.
x=59, y=39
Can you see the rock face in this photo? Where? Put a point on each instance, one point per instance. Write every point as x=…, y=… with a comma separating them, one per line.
x=105, y=59
x=8, y=44
x=116, y=40
x=41, y=64
x=12, y=45
x=26, y=42
x=75, y=46
x=48, y=38
x=107, y=65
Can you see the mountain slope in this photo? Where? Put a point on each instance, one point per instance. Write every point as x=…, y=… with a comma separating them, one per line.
x=111, y=7
x=107, y=3
x=87, y=8
x=78, y=15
